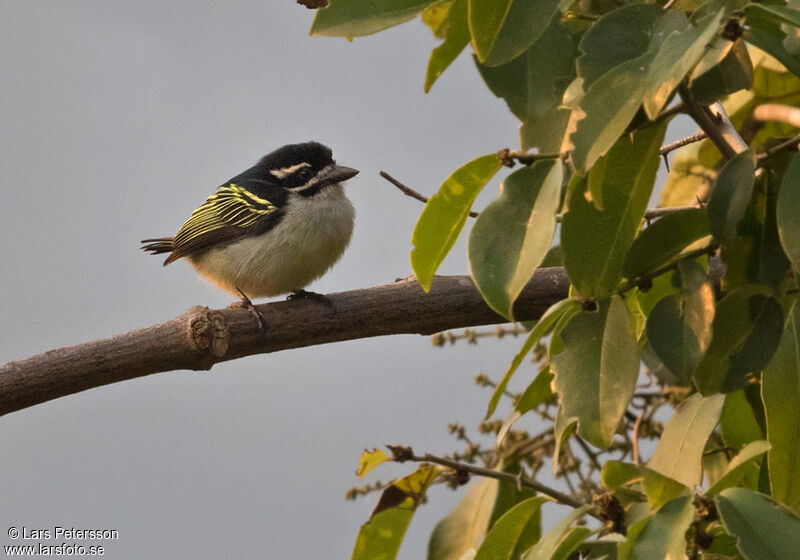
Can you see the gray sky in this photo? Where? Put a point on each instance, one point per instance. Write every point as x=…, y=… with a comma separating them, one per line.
x=118, y=118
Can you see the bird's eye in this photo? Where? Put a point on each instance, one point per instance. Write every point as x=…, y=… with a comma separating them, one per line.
x=305, y=173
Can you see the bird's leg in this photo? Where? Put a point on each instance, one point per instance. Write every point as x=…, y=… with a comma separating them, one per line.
x=303, y=294
x=247, y=304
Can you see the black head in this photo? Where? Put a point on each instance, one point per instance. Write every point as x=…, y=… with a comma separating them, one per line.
x=303, y=168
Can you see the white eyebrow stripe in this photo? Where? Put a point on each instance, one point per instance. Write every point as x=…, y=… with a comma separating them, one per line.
x=286, y=171
x=313, y=181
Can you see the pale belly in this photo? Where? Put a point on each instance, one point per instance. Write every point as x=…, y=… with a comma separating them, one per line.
x=302, y=247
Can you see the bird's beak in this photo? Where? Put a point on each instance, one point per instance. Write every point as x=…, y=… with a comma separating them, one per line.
x=339, y=173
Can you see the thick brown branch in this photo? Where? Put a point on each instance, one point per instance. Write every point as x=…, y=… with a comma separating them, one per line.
x=203, y=337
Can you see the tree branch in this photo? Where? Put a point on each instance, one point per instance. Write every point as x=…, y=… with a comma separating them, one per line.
x=202, y=337
x=714, y=121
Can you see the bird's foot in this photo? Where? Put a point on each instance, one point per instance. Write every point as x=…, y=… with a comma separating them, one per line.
x=303, y=294
x=245, y=303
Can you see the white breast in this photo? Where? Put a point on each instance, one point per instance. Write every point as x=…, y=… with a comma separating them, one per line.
x=310, y=238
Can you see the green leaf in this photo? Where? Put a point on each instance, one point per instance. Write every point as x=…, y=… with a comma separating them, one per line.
x=738, y=422
x=663, y=536
x=369, y=460
x=563, y=427
x=747, y=328
x=596, y=373
x=780, y=390
x=523, y=25
x=444, y=216
x=570, y=542
x=486, y=18
x=464, y=527
x=679, y=52
x=624, y=34
x=768, y=36
x=730, y=196
x=663, y=240
x=764, y=529
x=381, y=536
x=738, y=466
x=594, y=262
x=679, y=326
x=545, y=323
x=538, y=392
x=514, y=533
x=513, y=233
x=533, y=84
x=787, y=212
x=661, y=489
x=725, y=69
x=680, y=451
x=354, y=18
x=617, y=473
x=549, y=544
x=777, y=13
x=435, y=17
x=611, y=101
x=456, y=37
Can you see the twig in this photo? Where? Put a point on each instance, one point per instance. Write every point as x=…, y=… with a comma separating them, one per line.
x=635, y=438
x=560, y=497
x=634, y=282
x=411, y=192
x=666, y=149
x=507, y=157
x=793, y=142
x=713, y=121
x=648, y=215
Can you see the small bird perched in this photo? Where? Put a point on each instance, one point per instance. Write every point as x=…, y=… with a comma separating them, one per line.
x=272, y=229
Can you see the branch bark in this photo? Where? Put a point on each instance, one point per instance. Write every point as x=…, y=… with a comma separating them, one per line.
x=202, y=337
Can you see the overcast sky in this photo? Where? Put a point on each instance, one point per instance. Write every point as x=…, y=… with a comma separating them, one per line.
x=119, y=118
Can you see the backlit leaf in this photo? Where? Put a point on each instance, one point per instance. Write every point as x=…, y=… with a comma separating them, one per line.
x=680, y=450
x=380, y=538
x=444, y=216
x=738, y=465
x=369, y=460
x=456, y=37
x=486, y=18
x=463, y=528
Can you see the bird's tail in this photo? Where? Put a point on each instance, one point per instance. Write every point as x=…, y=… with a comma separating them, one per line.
x=158, y=245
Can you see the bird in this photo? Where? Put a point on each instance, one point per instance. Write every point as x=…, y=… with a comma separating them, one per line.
x=270, y=230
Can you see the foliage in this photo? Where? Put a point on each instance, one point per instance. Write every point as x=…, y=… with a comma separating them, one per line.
x=697, y=300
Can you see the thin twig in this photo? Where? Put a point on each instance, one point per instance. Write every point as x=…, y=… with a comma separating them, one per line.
x=667, y=148
x=560, y=497
x=793, y=142
x=635, y=438
x=648, y=215
x=507, y=157
x=411, y=192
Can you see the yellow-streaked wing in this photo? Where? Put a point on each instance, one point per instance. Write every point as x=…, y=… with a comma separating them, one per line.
x=227, y=215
